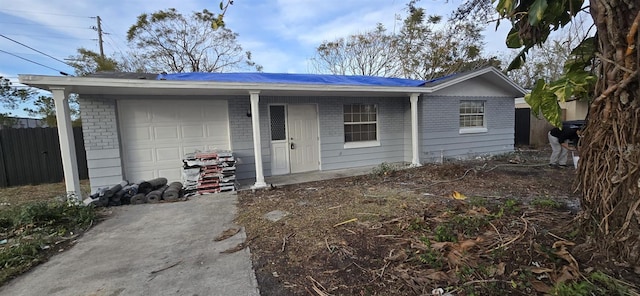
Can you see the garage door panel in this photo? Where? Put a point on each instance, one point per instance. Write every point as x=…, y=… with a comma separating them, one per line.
x=137, y=175
x=136, y=114
x=168, y=154
x=161, y=113
x=213, y=130
x=166, y=133
x=157, y=134
x=140, y=156
x=194, y=148
x=136, y=134
x=192, y=131
x=171, y=174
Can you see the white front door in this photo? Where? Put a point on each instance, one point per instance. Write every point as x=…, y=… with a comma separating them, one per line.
x=304, y=154
x=279, y=141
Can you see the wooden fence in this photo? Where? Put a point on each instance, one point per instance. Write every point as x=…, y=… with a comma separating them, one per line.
x=31, y=156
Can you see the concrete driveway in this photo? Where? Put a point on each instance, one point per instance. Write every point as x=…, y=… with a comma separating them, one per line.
x=151, y=249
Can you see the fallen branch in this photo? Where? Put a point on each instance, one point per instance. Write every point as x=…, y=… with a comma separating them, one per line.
x=519, y=236
x=383, y=268
x=227, y=234
x=237, y=248
x=326, y=242
x=284, y=241
x=446, y=181
x=496, y=229
x=558, y=237
x=346, y=222
x=165, y=268
x=315, y=288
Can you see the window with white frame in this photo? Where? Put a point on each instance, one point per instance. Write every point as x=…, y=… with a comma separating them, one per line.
x=360, y=123
x=472, y=115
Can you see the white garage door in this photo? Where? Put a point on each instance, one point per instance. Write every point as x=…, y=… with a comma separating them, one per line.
x=155, y=134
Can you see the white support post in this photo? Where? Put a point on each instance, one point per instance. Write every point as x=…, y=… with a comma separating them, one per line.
x=257, y=144
x=415, y=145
x=67, y=144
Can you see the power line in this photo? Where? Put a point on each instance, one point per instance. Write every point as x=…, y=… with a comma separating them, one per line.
x=42, y=12
x=109, y=34
x=25, y=53
x=43, y=25
x=50, y=36
x=29, y=47
x=39, y=64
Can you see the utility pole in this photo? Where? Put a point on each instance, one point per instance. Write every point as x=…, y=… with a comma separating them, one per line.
x=100, y=37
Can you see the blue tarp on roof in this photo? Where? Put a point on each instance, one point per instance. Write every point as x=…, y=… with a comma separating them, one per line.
x=293, y=79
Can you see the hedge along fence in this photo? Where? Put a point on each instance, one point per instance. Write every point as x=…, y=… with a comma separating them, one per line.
x=31, y=156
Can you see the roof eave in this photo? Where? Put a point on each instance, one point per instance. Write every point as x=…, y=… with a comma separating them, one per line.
x=77, y=84
x=519, y=91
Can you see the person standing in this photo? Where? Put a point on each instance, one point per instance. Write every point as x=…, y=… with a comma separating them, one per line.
x=559, y=140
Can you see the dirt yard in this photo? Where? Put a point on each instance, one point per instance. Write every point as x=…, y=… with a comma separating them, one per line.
x=484, y=227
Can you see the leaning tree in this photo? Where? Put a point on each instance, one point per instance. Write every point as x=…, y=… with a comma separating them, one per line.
x=604, y=70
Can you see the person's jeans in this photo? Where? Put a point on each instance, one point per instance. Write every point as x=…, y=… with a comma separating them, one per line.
x=559, y=154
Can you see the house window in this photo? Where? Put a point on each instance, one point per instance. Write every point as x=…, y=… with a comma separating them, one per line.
x=472, y=116
x=360, y=123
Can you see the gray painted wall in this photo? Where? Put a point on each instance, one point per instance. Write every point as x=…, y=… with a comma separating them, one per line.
x=333, y=155
x=441, y=132
x=438, y=125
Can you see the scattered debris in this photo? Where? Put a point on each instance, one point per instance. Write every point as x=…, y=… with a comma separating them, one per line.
x=227, y=234
x=494, y=241
x=458, y=195
x=165, y=268
x=124, y=193
x=345, y=222
x=209, y=172
x=238, y=247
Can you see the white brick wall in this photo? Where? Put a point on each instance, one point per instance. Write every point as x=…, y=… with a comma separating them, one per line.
x=100, y=129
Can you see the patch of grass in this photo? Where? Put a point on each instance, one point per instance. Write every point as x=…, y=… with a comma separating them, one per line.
x=597, y=283
x=477, y=201
x=546, y=203
x=509, y=207
x=31, y=228
x=416, y=225
x=444, y=233
x=431, y=257
x=469, y=225
x=384, y=169
x=22, y=194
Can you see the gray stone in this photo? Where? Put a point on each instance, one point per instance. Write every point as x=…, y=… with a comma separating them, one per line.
x=275, y=216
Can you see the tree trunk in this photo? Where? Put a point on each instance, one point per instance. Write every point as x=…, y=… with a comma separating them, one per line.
x=609, y=172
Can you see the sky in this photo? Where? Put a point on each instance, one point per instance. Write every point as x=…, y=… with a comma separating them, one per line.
x=282, y=35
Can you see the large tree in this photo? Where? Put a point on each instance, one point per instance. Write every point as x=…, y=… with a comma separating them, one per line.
x=429, y=48
x=369, y=53
x=547, y=60
x=10, y=98
x=425, y=48
x=168, y=41
x=605, y=68
x=87, y=62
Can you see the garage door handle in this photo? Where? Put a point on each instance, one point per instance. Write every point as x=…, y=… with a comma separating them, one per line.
x=293, y=146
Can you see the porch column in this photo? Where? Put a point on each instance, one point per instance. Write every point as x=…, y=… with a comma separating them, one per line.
x=67, y=143
x=257, y=144
x=415, y=145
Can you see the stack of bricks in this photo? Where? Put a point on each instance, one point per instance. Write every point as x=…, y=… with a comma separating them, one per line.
x=209, y=172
